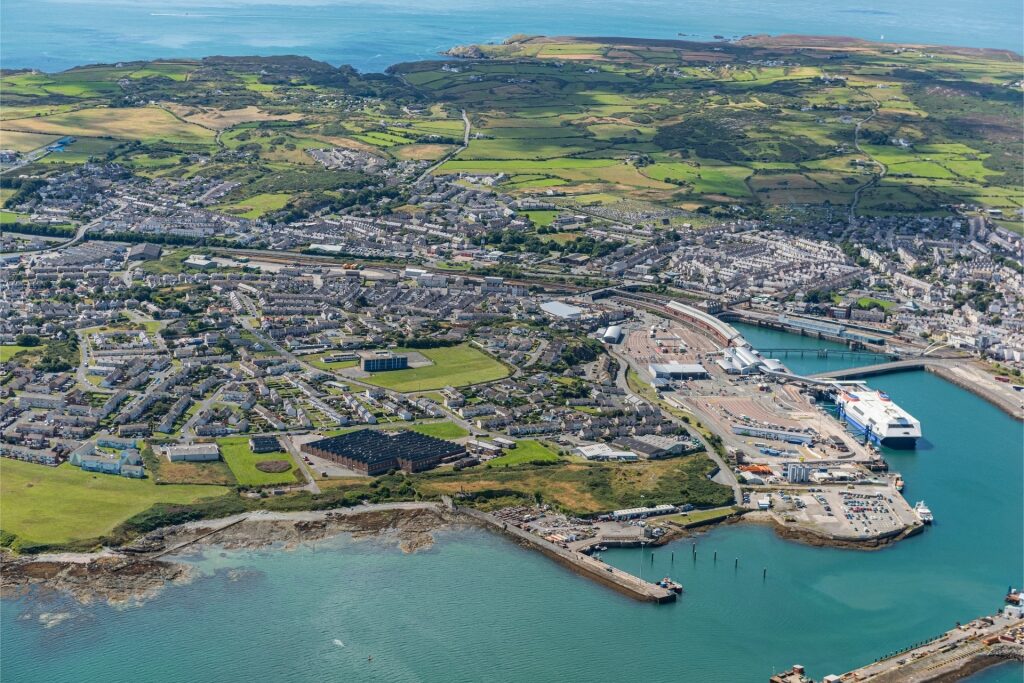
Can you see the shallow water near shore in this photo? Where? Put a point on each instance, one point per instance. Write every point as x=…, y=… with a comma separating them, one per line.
x=477, y=606
x=1010, y=672
x=372, y=35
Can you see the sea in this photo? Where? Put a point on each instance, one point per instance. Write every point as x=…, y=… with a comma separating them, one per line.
x=371, y=35
x=477, y=607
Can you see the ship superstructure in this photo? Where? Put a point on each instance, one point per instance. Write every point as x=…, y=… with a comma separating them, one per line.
x=874, y=415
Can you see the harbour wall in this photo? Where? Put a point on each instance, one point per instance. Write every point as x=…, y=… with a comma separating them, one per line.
x=1012, y=409
x=589, y=567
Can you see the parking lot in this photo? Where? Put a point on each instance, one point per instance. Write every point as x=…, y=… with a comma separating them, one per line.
x=856, y=514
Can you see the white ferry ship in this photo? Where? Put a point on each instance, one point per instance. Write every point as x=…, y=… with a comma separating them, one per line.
x=923, y=512
x=874, y=415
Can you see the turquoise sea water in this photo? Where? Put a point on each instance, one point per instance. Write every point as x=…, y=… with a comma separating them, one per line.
x=373, y=34
x=476, y=607
x=808, y=364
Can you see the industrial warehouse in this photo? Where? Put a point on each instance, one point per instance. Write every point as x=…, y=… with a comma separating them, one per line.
x=374, y=452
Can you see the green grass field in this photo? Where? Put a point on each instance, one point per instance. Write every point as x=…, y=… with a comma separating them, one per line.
x=541, y=219
x=868, y=300
x=57, y=505
x=9, y=351
x=456, y=366
x=242, y=461
x=695, y=517
x=441, y=430
x=525, y=451
x=317, y=361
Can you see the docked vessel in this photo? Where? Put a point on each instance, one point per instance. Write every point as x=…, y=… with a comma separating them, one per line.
x=898, y=483
x=671, y=585
x=874, y=416
x=923, y=513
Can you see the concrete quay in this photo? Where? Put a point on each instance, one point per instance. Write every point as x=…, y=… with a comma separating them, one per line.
x=954, y=655
x=589, y=567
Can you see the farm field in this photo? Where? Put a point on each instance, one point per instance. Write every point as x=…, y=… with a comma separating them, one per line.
x=25, y=142
x=456, y=366
x=744, y=126
x=145, y=124
x=57, y=505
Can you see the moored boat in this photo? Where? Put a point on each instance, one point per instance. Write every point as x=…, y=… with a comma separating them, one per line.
x=923, y=512
x=873, y=415
x=671, y=585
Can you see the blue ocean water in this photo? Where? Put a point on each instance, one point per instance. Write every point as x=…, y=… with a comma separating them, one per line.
x=373, y=34
x=477, y=607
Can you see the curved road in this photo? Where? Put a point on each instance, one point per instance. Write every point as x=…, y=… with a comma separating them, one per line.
x=727, y=476
x=881, y=167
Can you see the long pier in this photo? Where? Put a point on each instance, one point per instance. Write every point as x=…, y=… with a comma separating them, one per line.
x=951, y=656
x=953, y=370
x=923, y=363
x=624, y=582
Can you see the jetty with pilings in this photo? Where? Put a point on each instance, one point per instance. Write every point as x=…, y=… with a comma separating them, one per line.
x=585, y=565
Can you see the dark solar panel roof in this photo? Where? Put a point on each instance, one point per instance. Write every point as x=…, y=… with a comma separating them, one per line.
x=374, y=446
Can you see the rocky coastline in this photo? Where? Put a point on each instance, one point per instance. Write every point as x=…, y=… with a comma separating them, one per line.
x=137, y=572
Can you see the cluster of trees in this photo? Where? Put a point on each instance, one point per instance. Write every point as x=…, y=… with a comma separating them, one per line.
x=40, y=229
x=588, y=245
x=25, y=189
x=512, y=240
x=509, y=240
x=577, y=352
x=301, y=207
x=59, y=356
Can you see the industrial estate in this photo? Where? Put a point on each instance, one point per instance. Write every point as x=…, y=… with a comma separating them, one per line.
x=511, y=283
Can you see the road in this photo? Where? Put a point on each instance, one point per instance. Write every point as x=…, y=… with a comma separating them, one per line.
x=852, y=223
x=726, y=476
x=80, y=233
x=885, y=368
x=81, y=376
x=297, y=456
x=465, y=143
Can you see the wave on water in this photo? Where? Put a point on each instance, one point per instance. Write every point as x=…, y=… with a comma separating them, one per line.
x=873, y=12
x=339, y=643
x=198, y=15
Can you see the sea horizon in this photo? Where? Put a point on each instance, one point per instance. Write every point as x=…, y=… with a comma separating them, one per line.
x=344, y=32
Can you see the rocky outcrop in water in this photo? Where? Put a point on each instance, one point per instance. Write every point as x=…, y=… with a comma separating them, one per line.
x=109, y=578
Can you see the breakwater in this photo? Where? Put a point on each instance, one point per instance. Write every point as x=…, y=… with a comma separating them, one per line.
x=999, y=399
x=594, y=569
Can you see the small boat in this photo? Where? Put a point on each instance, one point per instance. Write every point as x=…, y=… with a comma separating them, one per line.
x=923, y=513
x=671, y=585
x=898, y=483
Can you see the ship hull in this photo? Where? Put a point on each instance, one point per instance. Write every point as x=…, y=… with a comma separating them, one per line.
x=896, y=442
x=906, y=443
